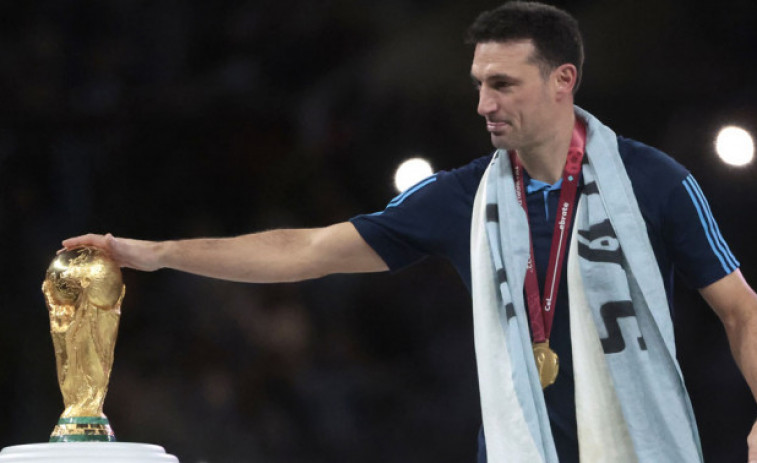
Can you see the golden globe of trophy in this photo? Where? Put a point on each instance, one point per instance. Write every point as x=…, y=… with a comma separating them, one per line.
x=83, y=291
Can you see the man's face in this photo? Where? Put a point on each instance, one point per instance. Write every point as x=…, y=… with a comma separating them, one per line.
x=514, y=97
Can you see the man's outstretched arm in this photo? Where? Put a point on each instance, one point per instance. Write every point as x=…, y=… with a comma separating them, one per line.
x=266, y=257
x=735, y=302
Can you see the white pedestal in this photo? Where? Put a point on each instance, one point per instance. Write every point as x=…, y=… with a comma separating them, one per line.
x=86, y=452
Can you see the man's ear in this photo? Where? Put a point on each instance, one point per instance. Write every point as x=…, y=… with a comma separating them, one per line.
x=565, y=79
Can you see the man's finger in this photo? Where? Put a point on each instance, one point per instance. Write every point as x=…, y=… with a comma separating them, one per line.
x=89, y=239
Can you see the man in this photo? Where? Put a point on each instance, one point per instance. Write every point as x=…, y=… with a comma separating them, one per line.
x=607, y=221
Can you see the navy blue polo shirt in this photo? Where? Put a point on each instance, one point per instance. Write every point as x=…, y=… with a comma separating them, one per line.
x=434, y=216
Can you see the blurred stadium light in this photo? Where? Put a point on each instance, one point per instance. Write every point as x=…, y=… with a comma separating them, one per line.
x=735, y=146
x=411, y=172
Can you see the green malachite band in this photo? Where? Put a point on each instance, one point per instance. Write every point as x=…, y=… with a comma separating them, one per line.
x=83, y=420
x=83, y=438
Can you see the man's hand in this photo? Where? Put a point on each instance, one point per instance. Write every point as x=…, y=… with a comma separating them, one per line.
x=136, y=254
x=752, y=443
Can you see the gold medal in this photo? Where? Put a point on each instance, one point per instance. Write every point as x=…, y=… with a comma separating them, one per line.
x=546, y=362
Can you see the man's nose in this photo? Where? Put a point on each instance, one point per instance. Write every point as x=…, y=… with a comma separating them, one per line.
x=486, y=103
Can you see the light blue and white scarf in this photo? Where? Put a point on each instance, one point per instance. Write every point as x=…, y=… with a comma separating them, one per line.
x=631, y=401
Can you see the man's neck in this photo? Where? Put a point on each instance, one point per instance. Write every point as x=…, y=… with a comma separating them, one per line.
x=546, y=161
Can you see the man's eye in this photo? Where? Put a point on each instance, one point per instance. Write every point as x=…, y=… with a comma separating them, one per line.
x=501, y=85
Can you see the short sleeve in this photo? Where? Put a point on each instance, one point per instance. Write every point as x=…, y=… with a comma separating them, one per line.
x=699, y=251
x=430, y=218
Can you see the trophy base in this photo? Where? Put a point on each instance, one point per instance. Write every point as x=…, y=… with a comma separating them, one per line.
x=86, y=452
x=83, y=429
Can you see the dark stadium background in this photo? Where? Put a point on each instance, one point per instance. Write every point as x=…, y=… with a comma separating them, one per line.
x=176, y=119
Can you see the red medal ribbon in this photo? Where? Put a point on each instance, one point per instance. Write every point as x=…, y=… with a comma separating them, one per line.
x=541, y=311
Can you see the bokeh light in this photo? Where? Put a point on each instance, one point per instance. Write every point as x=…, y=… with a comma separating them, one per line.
x=735, y=146
x=411, y=172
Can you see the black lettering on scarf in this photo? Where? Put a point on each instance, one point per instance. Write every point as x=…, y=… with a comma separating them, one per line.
x=492, y=213
x=501, y=277
x=590, y=189
x=611, y=312
x=603, y=245
x=509, y=311
x=509, y=307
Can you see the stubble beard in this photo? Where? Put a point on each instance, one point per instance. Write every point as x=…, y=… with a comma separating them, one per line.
x=502, y=142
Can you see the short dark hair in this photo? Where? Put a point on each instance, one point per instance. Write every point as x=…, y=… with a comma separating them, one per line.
x=553, y=32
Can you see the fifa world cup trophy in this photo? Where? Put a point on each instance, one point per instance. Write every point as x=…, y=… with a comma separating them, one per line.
x=83, y=290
